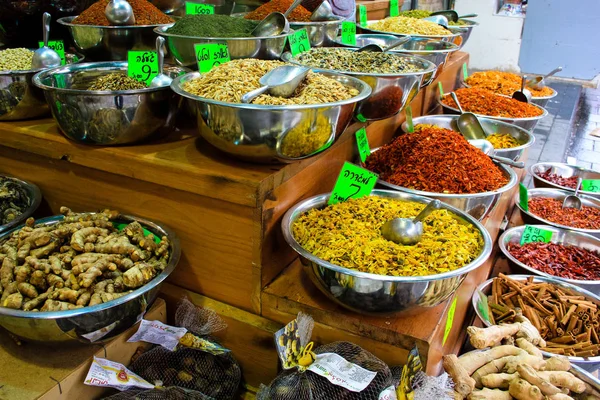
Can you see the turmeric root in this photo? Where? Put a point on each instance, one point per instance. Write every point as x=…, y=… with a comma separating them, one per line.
x=520, y=389
x=65, y=294
x=22, y=273
x=474, y=360
x=35, y=303
x=138, y=275
x=106, y=297
x=56, y=265
x=557, y=363
x=23, y=252
x=78, y=238
x=529, y=347
x=38, y=279
x=6, y=271
x=84, y=298
x=55, y=305
x=8, y=290
x=27, y=290
x=489, y=394
x=498, y=381
x=485, y=337
x=463, y=383
x=563, y=379
x=44, y=251
x=119, y=245
x=14, y=300
x=95, y=299
x=530, y=375
x=55, y=280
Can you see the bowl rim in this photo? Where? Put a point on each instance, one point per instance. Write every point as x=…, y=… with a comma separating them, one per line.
x=553, y=95
x=502, y=246
x=156, y=281
x=288, y=220
x=399, y=49
x=544, y=114
x=80, y=58
x=67, y=21
x=338, y=20
x=470, y=24
x=364, y=92
x=35, y=202
x=366, y=29
x=161, y=31
x=532, y=171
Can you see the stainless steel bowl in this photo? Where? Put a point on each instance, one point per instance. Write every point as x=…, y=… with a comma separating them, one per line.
x=19, y=98
x=564, y=170
x=485, y=289
x=35, y=198
x=262, y=133
x=445, y=38
x=559, y=236
x=540, y=101
x=464, y=32
x=390, y=93
x=320, y=33
x=181, y=48
x=106, y=117
x=379, y=294
x=524, y=137
x=109, y=43
x=95, y=324
x=531, y=218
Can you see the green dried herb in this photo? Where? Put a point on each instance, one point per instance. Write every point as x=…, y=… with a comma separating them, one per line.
x=213, y=25
x=116, y=81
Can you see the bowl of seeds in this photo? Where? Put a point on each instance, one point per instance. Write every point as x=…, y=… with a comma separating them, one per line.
x=406, y=26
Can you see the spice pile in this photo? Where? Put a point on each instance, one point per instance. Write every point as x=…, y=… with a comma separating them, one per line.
x=484, y=102
x=300, y=14
x=145, y=14
x=560, y=260
x=306, y=137
x=502, y=140
x=568, y=182
x=212, y=26
x=552, y=210
x=18, y=59
x=436, y=160
x=503, y=83
x=116, y=81
x=409, y=26
x=348, y=234
x=419, y=14
x=13, y=200
x=352, y=61
x=230, y=81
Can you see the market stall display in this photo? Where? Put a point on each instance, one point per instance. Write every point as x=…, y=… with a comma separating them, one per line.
x=562, y=176
x=320, y=33
x=409, y=26
x=18, y=200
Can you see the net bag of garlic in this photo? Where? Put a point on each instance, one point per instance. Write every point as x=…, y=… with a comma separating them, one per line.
x=339, y=370
x=198, y=362
x=169, y=393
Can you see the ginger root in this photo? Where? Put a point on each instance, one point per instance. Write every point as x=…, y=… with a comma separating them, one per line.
x=563, y=379
x=498, y=381
x=486, y=337
x=528, y=331
x=463, y=383
x=489, y=394
x=474, y=360
x=493, y=367
x=529, y=347
x=525, y=358
x=520, y=389
x=557, y=363
x=529, y=374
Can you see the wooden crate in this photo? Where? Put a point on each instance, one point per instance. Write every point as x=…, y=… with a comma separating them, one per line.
x=377, y=9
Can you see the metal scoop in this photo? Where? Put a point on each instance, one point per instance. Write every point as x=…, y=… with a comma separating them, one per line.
x=119, y=12
x=275, y=23
x=378, y=49
x=524, y=95
x=538, y=82
x=280, y=82
x=468, y=124
x=161, y=79
x=45, y=57
x=572, y=201
x=323, y=13
x=438, y=19
x=452, y=15
x=408, y=231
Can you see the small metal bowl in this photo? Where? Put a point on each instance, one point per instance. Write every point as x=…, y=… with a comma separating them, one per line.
x=109, y=43
x=531, y=218
x=390, y=93
x=106, y=117
x=464, y=31
x=564, y=170
x=181, y=48
x=35, y=198
x=95, y=324
x=485, y=289
x=559, y=236
x=19, y=98
x=524, y=137
x=320, y=33
x=379, y=294
x=268, y=134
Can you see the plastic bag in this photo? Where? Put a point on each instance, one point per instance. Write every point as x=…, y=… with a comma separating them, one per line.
x=169, y=393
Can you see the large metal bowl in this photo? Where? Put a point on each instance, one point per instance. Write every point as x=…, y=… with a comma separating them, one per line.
x=485, y=289
x=181, y=48
x=19, y=98
x=177, y=7
x=564, y=170
x=540, y=101
x=531, y=218
x=109, y=43
x=262, y=133
x=106, y=117
x=320, y=33
x=524, y=137
x=390, y=93
x=454, y=37
x=35, y=198
x=95, y=324
x=464, y=32
x=379, y=294
x=559, y=236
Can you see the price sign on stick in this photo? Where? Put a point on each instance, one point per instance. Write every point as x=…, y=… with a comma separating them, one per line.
x=198, y=9
x=532, y=234
x=142, y=65
x=352, y=182
x=349, y=33
x=362, y=15
x=362, y=141
x=409, y=120
x=590, y=185
x=441, y=89
x=210, y=55
x=59, y=47
x=465, y=72
x=523, y=197
x=299, y=42
x=394, y=9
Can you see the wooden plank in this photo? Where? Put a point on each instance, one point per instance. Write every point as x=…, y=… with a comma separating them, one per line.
x=451, y=78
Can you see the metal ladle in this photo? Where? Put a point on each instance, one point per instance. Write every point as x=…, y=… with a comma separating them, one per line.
x=323, y=13
x=161, y=79
x=572, y=201
x=45, y=57
x=378, y=49
x=119, y=12
x=538, y=82
x=275, y=23
x=438, y=19
x=281, y=82
x=452, y=15
x=408, y=231
x=524, y=95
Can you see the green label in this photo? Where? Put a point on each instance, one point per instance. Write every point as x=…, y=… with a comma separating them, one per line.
x=362, y=141
x=198, y=9
x=590, y=185
x=523, y=197
x=142, y=65
x=210, y=55
x=59, y=47
x=465, y=71
x=349, y=33
x=394, y=9
x=449, y=321
x=532, y=234
x=299, y=42
x=409, y=121
x=361, y=118
x=353, y=182
x=482, y=306
x=441, y=89
x=362, y=15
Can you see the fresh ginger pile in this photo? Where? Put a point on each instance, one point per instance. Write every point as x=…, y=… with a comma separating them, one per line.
x=513, y=370
x=81, y=261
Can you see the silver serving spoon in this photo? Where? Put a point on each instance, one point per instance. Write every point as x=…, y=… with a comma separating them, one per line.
x=378, y=49
x=275, y=23
x=323, y=13
x=507, y=161
x=281, y=82
x=538, y=82
x=408, y=231
x=452, y=15
x=468, y=123
x=45, y=57
x=119, y=12
x=572, y=201
x=161, y=79
x=438, y=19
x=524, y=95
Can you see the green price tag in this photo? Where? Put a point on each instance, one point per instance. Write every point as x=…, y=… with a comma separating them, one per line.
x=483, y=307
x=362, y=15
x=409, y=121
x=198, y=9
x=394, y=9
x=361, y=118
x=142, y=65
x=349, y=33
x=533, y=234
x=362, y=141
x=523, y=197
x=465, y=71
x=59, y=47
x=441, y=89
x=299, y=42
x=210, y=55
x=353, y=182
x=449, y=321
x=590, y=185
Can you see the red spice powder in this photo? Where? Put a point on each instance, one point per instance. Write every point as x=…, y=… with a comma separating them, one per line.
x=551, y=210
x=484, y=102
x=300, y=14
x=570, y=182
x=145, y=14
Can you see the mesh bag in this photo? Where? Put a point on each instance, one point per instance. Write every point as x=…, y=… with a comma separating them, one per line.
x=169, y=393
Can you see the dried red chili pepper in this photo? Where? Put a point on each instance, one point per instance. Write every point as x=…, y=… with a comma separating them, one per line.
x=559, y=260
x=551, y=210
x=570, y=182
x=145, y=14
x=300, y=14
x=484, y=102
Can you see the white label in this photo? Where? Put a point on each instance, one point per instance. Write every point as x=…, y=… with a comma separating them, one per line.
x=388, y=394
x=158, y=333
x=341, y=372
x=106, y=373
x=100, y=333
